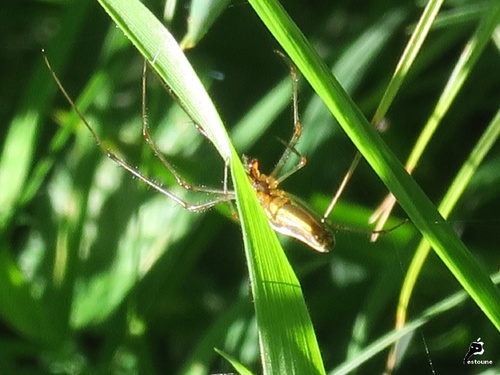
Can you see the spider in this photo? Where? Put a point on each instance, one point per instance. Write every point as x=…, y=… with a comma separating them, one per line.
x=285, y=214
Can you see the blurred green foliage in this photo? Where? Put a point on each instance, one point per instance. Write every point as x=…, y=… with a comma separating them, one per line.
x=99, y=274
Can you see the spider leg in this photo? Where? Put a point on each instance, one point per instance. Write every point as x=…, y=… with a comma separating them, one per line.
x=290, y=148
x=347, y=178
x=225, y=195
x=151, y=143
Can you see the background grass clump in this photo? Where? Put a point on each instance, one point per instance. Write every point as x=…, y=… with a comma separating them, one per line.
x=100, y=274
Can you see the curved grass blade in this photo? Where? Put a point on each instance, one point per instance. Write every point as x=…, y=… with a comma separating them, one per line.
x=471, y=53
x=408, y=57
x=410, y=196
x=451, y=198
x=236, y=364
x=162, y=51
x=287, y=339
x=469, y=57
x=393, y=336
x=461, y=71
x=202, y=15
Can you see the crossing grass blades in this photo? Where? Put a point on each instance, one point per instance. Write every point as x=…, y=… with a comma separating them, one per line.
x=285, y=214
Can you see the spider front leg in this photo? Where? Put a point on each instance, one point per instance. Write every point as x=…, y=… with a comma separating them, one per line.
x=224, y=195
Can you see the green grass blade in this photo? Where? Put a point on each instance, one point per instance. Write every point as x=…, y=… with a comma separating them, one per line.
x=161, y=50
x=351, y=69
x=469, y=57
x=408, y=57
x=452, y=196
x=382, y=343
x=202, y=14
x=236, y=364
x=471, y=53
x=203, y=353
x=410, y=196
x=288, y=343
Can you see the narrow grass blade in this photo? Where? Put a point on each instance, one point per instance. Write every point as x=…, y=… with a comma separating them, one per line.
x=408, y=57
x=202, y=14
x=390, y=338
x=451, y=198
x=287, y=339
x=410, y=196
x=162, y=51
x=469, y=57
x=236, y=364
x=288, y=344
x=461, y=71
